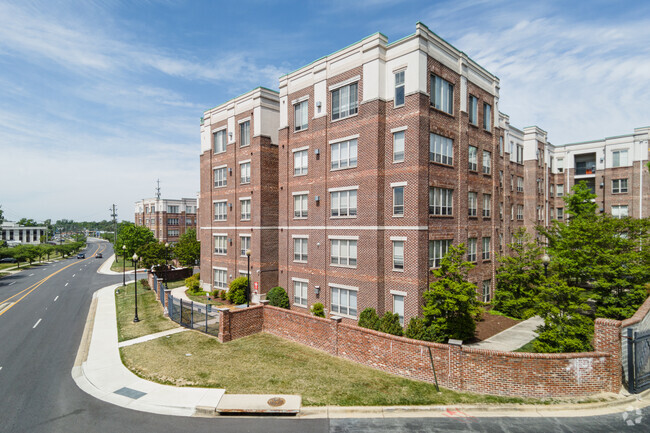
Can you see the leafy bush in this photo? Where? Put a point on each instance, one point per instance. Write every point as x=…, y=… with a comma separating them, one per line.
x=389, y=324
x=318, y=310
x=237, y=291
x=418, y=330
x=144, y=283
x=369, y=319
x=223, y=295
x=278, y=297
x=215, y=293
x=193, y=285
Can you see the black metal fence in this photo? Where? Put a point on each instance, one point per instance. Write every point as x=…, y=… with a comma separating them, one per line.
x=193, y=315
x=638, y=358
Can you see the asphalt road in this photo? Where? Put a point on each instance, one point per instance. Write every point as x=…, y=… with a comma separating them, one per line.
x=40, y=335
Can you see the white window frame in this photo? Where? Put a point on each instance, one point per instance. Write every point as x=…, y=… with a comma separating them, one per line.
x=619, y=186
x=472, y=158
x=520, y=212
x=560, y=213
x=442, y=94
x=220, y=175
x=223, y=285
x=245, y=133
x=398, y=209
x=441, y=149
x=300, y=205
x=487, y=287
x=399, y=146
x=220, y=138
x=487, y=117
x=438, y=248
x=301, y=115
x=487, y=162
x=441, y=201
x=338, y=197
x=471, y=249
x=300, y=162
x=559, y=190
x=617, y=211
x=336, y=306
x=487, y=205
x=399, y=256
x=487, y=247
x=220, y=244
x=338, y=148
x=244, y=246
x=399, y=87
x=245, y=204
x=520, y=184
x=345, y=250
x=620, y=158
x=300, y=291
x=300, y=248
x=345, y=101
x=397, y=308
x=222, y=204
x=472, y=199
x=245, y=172
x=473, y=110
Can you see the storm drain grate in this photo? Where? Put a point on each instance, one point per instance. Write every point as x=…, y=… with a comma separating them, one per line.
x=130, y=393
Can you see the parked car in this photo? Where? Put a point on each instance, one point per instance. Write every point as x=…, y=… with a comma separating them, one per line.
x=8, y=260
x=81, y=256
x=98, y=256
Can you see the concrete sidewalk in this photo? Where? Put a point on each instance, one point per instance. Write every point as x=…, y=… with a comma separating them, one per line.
x=512, y=338
x=105, y=268
x=99, y=370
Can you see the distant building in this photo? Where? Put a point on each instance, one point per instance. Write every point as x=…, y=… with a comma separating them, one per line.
x=168, y=219
x=15, y=234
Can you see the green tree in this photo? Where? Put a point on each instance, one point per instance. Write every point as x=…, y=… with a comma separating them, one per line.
x=2, y=218
x=318, y=310
x=153, y=254
x=278, y=297
x=389, y=323
x=188, y=249
x=518, y=277
x=369, y=319
x=418, y=330
x=27, y=222
x=237, y=290
x=451, y=306
x=565, y=329
x=134, y=237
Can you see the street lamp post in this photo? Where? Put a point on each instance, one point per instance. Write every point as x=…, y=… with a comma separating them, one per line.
x=166, y=265
x=123, y=265
x=546, y=260
x=135, y=270
x=248, y=271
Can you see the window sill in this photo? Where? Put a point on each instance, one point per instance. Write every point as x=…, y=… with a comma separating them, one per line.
x=244, y=145
x=298, y=175
x=398, y=162
x=398, y=270
x=245, y=183
x=441, y=164
x=299, y=305
x=346, y=117
x=245, y=220
x=487, y=260
x=440, y=216
x=347, y=316
x=344, y=168
x=300, y=261
x=437, y=110
x=398, y=216
x=222, y=186
x=399, y=106
x=473, y=125
x=342, y=266
x=300, y=130
x=343, y=217
x=473, y=171
x=488, y=131
x=299, y=218
x=487, y=174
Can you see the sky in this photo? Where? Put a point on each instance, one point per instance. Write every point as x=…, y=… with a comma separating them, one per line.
x=100, y=99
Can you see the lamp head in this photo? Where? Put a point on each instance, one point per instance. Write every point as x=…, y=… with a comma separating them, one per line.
x=248, y=253
x=546, y=259
x=124, y=247
x=166, y=244
x=135, y=257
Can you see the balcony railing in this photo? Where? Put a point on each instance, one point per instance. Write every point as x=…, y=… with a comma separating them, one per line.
x=582, y=170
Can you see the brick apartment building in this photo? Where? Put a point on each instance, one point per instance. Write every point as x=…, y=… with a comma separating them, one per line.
x=386, y=154
x=168, y=219
x=238, y=201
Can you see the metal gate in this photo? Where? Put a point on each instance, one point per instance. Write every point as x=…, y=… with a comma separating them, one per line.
x=638, y=359
x=192, y=315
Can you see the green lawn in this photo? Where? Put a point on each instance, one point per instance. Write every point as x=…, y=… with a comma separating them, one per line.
x=117, y=265
x=204, y=300
x=150, y=313
x=265, y=364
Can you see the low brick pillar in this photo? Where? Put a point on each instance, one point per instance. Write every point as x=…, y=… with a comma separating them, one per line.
x=607, y=338
x=335, y=332
x=455, y=375
x=265, y=302
x=224, y=325
x=167, y=295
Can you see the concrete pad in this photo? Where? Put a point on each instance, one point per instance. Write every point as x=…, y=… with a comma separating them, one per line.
x=152, y=336
x=512, y=338
x=259, y=403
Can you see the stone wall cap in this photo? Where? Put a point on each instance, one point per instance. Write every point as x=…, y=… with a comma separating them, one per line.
x=265, y=302
x=453, y=342
x=336, y=318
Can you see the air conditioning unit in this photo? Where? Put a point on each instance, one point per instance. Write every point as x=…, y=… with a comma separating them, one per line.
x=317, y=198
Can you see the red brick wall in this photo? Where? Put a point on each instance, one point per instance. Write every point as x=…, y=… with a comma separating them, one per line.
x=458, y=368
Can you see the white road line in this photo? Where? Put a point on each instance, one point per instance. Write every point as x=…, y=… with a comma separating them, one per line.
x=66, y=285
x=73, y=275
x=31, y=275
x=56, y=298
x=39, y=321
x=13, y=282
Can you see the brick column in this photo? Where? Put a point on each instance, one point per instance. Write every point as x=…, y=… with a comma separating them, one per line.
x=167, y=294
x=607, y=338
x=455, y=376
x=335, y=331
x=224, y=325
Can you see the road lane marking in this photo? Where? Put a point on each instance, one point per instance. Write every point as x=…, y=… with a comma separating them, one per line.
x=5, y=306
x=66, y=285
x=73, y=275
x=39, y=321
x=13, y=282
x=56, y=298
x=30, y=275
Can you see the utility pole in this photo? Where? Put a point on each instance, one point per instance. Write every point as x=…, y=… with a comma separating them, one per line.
x=158, y=190
x=114, y=215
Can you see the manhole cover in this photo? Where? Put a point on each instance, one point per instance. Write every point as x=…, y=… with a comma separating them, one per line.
x=276, y=401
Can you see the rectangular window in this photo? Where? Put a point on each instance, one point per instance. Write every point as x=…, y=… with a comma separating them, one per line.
x=560, y=213
x=520, y=154
x=442, y=94
x=552, y=213
x=398, y=255
x=221, y=245
x=487, y=205
x=398, y=201
x=345, y=101
x=560, y=165
x=471, y=249
x=471, y=204
x=487, y=162
x=501, y=146
x=220, y=279
x=300, y=162
x=619, y=186
x=172, y=209
x=487, y=246
x=300, y=293
x=300, y=206
x=441, y=149
x=343, y=252
x=440, y=201
x=344, y=154
x=172, y=221
x=559, y=191
x=473, y=110
x=512, y=182
x=245, y=244
x=500, y=178
x=344, y=203
x=300, y=249
x=173, y=233
x=220, y=210
x=487, y=117
x=245, y=133
x=245, y=172
x=501, y=210
x=619, y=158
x=551, y=190
x=520, y=211
x=399, y=88
x=301, y=116
x=398, y=307
x=398, y=146
x=487, y=285
x=619, y=211
x=245, y=206
x=220, y=141
x=344, y=301
x=473, y=158
x=437, y=250
x=520, y=184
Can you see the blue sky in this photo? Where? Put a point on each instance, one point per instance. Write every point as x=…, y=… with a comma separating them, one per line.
x=98, y=99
